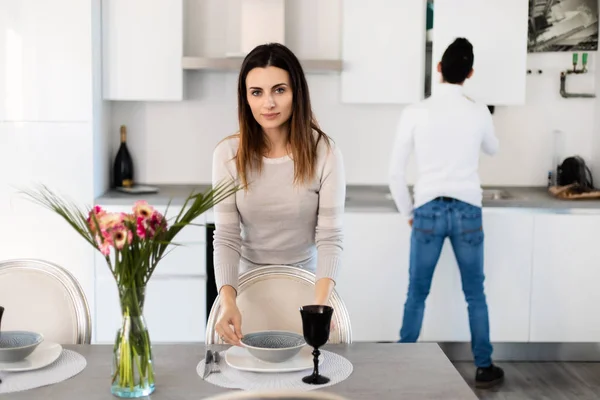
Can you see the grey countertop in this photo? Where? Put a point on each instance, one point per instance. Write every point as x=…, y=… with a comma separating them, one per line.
x=381, y=372
x=376, y=198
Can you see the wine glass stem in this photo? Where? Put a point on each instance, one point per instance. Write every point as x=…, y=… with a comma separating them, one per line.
x=316, y=353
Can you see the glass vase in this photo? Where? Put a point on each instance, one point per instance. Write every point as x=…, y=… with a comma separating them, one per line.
x=133, y=367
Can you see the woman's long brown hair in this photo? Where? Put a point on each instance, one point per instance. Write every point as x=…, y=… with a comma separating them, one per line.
x=302, y=124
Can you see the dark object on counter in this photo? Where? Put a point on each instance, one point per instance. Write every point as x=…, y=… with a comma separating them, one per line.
x=123, y=166
x=574, y=170
x=550, y=179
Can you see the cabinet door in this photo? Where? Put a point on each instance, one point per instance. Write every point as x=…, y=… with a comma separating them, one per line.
x=374, y=278
x=383, y=50
x=498, y=31
x=323, y=40
x=175, y=309
x=45, y=60
x=142, y=49
x=565, y=294
x=507, y=266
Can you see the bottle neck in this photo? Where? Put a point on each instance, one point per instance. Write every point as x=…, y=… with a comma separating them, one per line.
x=123, y=134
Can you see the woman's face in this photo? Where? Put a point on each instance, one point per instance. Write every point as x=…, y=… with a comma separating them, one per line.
x=269, y=95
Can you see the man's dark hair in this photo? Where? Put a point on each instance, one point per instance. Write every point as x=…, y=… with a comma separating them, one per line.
x=457, y=61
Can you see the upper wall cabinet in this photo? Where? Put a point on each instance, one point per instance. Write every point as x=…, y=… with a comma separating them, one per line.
x=45, y=61
x=498, y=31
x=142, y=49
x=383, y=51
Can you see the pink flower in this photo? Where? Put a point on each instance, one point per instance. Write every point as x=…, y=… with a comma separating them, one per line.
x=98, y=213
x=158, y=221
x=141, y=208
x=104, y=243
x=110, y=220
x=141, y=228
x=147, y=227
x=121, y=236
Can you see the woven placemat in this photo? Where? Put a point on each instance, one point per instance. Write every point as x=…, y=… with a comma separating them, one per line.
x=67, y=365
x=334, y=367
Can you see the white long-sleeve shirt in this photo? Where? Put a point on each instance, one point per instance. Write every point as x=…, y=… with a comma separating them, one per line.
x=447, y=132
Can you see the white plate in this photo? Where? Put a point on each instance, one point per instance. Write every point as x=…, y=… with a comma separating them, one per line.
x=43, y=355
x=239, y=358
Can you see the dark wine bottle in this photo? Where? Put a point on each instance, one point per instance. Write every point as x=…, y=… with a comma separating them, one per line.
x=123, y=167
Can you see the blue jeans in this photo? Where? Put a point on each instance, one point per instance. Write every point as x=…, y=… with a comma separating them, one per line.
x=461, y=222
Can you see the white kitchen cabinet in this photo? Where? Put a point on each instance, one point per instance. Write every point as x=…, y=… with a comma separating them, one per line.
x=175, y=309
x=374, y=278
x=565, y=295
x=507, y=265
x=383, y=51
x=142, y=50
x=498, y=31
x=45, y=60
x=261, y=22
x=323, y=40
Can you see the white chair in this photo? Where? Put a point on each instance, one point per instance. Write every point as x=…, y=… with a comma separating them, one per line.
x=280, y=395
x=42, y=297
x=269, y=298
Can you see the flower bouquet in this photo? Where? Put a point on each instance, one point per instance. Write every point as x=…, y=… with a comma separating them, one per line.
x=133, y=244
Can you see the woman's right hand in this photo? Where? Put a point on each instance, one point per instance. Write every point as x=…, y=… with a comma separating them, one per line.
x=229, y=325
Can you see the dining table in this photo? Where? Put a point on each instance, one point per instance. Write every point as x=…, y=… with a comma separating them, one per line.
x=381, y=371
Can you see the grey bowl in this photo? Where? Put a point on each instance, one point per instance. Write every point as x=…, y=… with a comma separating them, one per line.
x=17, y=345
x=273, y=346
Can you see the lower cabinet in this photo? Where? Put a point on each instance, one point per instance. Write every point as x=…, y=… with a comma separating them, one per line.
x=507, y=267
x=565, y=295
x=374, y=276
x=175, y=309
x=374, y=279
x=541, y=282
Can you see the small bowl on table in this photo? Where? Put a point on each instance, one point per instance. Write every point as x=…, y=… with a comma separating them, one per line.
x=15, y=346
x=273, y=346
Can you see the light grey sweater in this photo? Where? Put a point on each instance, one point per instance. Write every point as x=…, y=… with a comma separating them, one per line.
x=276, y=222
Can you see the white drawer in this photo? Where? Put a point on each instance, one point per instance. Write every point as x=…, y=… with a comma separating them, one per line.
x=175, y=310
x=186, y=259
x=183, y=260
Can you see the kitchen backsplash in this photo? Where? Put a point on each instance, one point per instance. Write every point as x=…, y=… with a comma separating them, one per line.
x=173, y=142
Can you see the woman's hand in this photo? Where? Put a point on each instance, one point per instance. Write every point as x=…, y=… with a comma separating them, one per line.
x=229, y=324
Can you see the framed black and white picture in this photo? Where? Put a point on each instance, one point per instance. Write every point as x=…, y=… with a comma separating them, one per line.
x=563, y=25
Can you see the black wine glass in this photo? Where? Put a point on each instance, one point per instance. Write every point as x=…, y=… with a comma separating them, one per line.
x=316, y=321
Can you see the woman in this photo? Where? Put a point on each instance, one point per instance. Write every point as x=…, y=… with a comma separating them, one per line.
x=289, y=211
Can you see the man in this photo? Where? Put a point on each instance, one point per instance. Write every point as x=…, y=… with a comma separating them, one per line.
x=447, y=132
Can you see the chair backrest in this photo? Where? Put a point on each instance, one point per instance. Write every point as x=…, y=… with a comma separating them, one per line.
x=43, y=297
x=270, y=297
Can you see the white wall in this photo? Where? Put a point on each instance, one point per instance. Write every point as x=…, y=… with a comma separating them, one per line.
x=172, y=142
x=50, y=130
